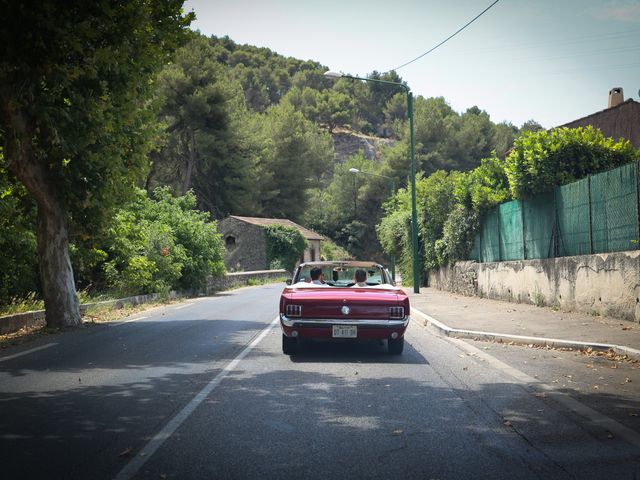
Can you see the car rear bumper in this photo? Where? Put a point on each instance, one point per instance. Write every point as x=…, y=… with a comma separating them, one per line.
x=323, y=327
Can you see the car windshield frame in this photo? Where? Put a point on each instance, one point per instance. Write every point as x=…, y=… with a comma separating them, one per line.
x=341, y=274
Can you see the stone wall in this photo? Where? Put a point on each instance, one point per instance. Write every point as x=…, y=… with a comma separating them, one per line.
x=248, y=251
x=603, y=284
x=36, y=318
x=460, y=278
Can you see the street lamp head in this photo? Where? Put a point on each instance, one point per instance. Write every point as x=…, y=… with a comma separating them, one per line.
x=331, y=74
x=354, y=170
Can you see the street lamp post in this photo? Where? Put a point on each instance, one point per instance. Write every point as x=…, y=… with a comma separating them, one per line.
x=414, y=210
x=392, y=185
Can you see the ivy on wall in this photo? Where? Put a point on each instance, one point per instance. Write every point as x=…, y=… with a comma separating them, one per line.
x=285, y=245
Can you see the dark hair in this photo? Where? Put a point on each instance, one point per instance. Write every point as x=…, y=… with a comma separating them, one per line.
x=315, y=273
x=361, y=275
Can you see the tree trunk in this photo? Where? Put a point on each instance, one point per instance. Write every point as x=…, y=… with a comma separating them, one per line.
x=56, y=274
x=191, y=161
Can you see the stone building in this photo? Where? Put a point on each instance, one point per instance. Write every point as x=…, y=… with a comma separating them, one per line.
x=245, y=242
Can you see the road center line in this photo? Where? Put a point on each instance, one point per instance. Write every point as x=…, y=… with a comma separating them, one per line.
x=27, y=352
x=129, y=321
x=159, y=438
x=182, y=306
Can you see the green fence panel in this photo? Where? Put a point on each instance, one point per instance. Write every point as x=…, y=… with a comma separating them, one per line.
x=539, y=220
x=511, y=245
x=475, y=251
x=597, y=214
x=574, y=237
x=614, y=210
x=490, y=237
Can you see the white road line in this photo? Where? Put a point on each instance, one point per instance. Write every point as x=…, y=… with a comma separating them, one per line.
x=27, y=352
x=159, y=438
x=595, y=417
x=129, y=321
x=182, y=306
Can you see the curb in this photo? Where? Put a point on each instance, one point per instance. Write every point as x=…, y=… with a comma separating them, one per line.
x=447, y=331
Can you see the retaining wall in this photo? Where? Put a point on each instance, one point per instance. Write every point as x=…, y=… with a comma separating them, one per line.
x=604, y=284
x=237, y=279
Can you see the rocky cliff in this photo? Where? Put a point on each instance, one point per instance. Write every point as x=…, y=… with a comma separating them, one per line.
x=347, y=143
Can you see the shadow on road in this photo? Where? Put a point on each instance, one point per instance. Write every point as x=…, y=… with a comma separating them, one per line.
x=373, y=351
x=408, y=423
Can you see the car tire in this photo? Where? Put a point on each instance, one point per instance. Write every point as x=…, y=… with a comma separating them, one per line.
x=289, y=345
x=396, y=346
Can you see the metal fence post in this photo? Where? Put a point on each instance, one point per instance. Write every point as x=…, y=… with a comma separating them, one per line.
x=524, y=243
x=590, y=216
x=555, y=235
x=499, y=234
x=637, y=208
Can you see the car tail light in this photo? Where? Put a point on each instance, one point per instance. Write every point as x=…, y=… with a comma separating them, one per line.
x=396, y=312
x=294, y=310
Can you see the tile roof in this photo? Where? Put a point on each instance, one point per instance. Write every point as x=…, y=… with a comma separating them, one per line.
x=621, y=121
x=308, y=234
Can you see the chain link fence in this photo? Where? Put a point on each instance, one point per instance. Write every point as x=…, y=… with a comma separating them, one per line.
x=597, y=214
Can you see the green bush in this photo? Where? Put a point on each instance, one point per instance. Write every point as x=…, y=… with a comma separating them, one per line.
x=487, y=184
x=458, y=235
x=285, y=245
x=136, y=276
x=199, y=246
x=436, y=198
x=331, y=251
x=541, y=160
x=161, y=243
x=394, y=233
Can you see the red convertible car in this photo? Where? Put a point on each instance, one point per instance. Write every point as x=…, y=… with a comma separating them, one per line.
x=343, y=299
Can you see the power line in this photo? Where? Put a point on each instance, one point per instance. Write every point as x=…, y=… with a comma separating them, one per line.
x=446, y=39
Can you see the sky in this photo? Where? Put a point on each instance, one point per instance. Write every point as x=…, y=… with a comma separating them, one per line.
x=552, y=61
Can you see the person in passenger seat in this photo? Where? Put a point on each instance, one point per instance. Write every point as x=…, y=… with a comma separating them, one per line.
x=360, y=278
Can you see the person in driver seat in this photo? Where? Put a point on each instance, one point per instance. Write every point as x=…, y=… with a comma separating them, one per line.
x=360, y=278
x=317, y=277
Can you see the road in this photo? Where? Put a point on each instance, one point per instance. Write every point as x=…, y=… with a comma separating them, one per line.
x=201, y=390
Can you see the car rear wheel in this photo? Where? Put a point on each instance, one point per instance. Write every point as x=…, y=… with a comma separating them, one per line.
x=396, y=346
x=289, y=345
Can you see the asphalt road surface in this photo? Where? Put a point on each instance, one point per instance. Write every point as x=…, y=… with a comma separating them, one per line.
x=201, y=389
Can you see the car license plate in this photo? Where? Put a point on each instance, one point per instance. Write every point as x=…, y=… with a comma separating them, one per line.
x=345, y=331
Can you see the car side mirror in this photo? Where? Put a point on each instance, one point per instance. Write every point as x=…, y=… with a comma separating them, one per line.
x=288, y=281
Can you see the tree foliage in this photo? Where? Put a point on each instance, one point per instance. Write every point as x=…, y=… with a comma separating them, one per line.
x=18, y=262
x=208, y=145
x=347, y=208
x=75, y=118
x=298, y=154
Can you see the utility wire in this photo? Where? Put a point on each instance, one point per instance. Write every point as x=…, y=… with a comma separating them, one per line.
x=446, y=39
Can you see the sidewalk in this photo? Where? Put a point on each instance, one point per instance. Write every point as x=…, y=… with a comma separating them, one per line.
x=473, y=317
